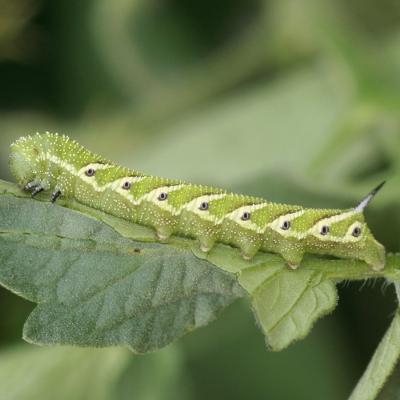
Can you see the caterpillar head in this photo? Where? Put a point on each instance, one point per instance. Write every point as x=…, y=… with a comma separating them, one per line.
x=23, y=160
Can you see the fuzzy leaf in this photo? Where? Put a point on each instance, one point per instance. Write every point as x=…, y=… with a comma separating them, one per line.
x=96, y=288
x=285, y=303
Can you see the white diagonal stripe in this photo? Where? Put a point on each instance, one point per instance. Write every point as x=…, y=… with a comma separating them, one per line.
x=277, y=223
x=236, y=216
x=194, y=207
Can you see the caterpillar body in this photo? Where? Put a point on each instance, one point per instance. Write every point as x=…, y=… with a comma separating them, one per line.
x=52, y=162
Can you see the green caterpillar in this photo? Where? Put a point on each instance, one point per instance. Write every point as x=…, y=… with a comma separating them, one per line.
x=53, y=162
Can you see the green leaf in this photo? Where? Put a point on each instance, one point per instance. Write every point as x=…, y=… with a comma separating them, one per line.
x=96, y=288
x=381, y=364
x=66, y=373
x=285, y=303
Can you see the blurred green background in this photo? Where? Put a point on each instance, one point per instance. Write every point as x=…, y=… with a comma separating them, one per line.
x=296, y=101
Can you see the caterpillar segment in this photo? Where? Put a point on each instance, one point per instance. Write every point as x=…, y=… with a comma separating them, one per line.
x=52, y=162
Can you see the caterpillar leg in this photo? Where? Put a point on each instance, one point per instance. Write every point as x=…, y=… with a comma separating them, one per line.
x=206, y=244
x=162, y=236
x=34, y=187
x=293, y=258
x=205, y=249
x=31, y=185
x=36, y=190
x=55, y=195
x=164, y=232
x=377, y=265
x=375, y=257
x=248, y=252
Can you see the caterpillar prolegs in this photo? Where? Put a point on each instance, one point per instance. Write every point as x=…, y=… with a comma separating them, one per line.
x=51, y=162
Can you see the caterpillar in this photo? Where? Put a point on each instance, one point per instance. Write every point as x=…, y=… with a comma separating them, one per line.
x=52, y=162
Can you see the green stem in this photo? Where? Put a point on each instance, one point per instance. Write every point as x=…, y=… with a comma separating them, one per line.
x=381, y=365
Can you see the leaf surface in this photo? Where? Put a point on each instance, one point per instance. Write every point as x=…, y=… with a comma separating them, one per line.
x=96, y=288
x=286, y=303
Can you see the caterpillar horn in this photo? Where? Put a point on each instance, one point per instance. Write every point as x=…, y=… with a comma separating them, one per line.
x=367, y=199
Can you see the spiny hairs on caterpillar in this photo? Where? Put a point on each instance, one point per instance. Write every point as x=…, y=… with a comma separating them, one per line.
x=51, y=162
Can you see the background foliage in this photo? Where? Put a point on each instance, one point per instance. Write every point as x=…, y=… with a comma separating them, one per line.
x=294, y=101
